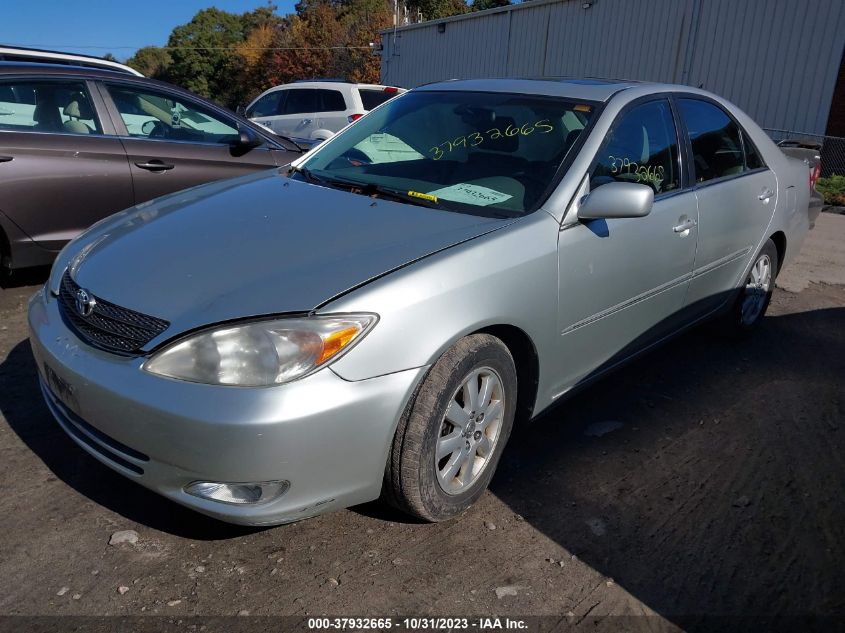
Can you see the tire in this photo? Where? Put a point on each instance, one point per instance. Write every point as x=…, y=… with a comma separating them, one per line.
x=415, y=481
x=753, y=298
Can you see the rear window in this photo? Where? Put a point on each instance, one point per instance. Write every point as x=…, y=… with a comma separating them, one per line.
x=58, y=107
x=373, y=98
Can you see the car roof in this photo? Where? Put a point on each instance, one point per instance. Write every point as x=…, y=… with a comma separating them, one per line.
x=46, y=68
x=37, y=55
x=323, y=83
x=61, y=70
x=587, y=89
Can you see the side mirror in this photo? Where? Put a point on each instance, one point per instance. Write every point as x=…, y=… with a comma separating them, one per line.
x=617, y=200
x=241, y=109
x=247, y=139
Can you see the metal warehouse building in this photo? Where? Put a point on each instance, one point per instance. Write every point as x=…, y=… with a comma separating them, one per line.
x=779, y=60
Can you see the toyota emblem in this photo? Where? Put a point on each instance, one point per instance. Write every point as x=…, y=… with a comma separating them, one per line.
x=85, y=302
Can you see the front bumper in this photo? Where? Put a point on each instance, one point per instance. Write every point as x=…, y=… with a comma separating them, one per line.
x=327, y=436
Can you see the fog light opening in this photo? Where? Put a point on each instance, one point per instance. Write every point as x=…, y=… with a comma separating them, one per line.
x=238, y=494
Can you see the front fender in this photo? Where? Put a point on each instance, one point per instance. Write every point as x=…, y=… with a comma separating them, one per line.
x=508, y=277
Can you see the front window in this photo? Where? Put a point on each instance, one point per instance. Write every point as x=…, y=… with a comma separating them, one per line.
x=642, y=147
x=156, y=115
x=486, y=153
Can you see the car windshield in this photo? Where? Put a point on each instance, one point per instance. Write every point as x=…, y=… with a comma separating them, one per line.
x=485, y=153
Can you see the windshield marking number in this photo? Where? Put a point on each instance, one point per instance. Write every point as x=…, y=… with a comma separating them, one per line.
x=476, y=138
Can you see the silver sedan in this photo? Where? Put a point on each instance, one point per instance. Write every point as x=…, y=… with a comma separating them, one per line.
x=374, y=319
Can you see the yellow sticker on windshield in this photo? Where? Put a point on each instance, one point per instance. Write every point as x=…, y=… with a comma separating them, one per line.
x=424, y=196
x=582, y=108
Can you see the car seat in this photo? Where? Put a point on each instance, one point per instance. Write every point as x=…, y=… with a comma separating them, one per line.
x=76, y=109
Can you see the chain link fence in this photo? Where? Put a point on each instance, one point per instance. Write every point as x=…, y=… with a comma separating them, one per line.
x=832, y=148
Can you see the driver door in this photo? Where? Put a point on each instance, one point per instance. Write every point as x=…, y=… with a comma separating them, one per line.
x=623, y=281
x=174, y=143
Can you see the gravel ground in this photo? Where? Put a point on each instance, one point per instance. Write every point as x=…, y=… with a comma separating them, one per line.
x=704, y=479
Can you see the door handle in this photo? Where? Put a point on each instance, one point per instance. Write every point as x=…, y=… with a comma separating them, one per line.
x=686, y=225
x=155, y=165
x=765, y=194
x=306, y=121
x=6, y=159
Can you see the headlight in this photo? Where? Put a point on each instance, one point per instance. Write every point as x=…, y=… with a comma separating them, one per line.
x=260, y=353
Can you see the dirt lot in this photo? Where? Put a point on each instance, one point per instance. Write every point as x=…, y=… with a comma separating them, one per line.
x=721, y=493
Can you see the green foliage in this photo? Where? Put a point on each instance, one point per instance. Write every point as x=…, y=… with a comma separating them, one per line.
x=150, y=61
x=833, y=190
x=109, y=57
x=480, y=5
x=434, y=9
x=201, y=52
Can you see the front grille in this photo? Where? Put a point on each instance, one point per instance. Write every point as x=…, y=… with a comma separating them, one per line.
x=109, y=326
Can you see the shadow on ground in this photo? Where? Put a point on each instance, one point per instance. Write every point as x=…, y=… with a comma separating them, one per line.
x=721, y=491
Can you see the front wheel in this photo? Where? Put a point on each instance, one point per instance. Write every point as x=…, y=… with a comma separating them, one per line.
x=753, y=300
x=450, y=439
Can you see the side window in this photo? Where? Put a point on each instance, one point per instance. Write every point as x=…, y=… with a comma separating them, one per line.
x=300, y=101
x=715, y=138
x=642, y=147
x=158, y=115
x=331, y=101
x=55, y=107
x=268, y=105
x=752, y=156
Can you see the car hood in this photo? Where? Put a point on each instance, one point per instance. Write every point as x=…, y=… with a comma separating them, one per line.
x=258, y=245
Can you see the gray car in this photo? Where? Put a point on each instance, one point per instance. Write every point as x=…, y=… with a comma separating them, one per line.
x=374, y=320
x=78, y=144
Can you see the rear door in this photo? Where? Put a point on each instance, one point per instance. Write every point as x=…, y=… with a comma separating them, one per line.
x=333, y=111
x=174, y=142
x=61, y=167
x=736, y=193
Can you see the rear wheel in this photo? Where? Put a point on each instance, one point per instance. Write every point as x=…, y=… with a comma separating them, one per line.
x=448, y=444
x=753, y=300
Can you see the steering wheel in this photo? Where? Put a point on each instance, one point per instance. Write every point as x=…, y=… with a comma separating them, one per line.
x=154, y=129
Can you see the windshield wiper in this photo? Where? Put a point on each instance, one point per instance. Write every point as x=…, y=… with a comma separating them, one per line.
x=401, y=196
x=368, y=189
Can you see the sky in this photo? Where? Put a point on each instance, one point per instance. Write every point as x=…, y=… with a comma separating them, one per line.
x=97, y=27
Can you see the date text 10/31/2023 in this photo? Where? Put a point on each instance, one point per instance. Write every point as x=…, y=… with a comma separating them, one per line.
x=491, y=623
x=474, y=139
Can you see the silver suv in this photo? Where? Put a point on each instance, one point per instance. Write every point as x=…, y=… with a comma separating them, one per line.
x=316, y=110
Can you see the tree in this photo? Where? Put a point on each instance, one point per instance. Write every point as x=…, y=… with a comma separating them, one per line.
x=109, y=57
x=434, y=9
x=150, y=61
x=480, y=5
x=201, y=51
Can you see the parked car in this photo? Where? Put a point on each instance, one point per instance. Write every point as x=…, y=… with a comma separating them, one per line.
x=284, y=344
x=20, y=54
x=78, y=144
x=810, y=154
x=316, y=110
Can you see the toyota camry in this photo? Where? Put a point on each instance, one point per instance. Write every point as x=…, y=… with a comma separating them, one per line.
x=373, y=319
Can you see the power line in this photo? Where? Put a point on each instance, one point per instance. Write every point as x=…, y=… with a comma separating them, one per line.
x=200, y=48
